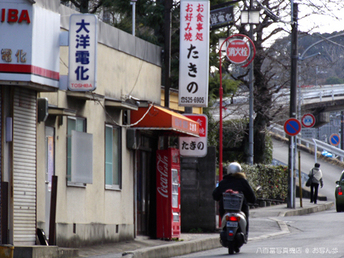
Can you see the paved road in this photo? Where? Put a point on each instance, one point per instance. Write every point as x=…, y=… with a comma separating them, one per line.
x=313, y=235
x=331, y=172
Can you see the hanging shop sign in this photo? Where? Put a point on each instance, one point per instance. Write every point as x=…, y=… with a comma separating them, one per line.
x=221, y=17
x=195, y=146
x=194, y=53
x=82, y=72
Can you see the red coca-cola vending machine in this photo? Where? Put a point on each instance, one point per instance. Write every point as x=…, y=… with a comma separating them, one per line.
x=168, y=193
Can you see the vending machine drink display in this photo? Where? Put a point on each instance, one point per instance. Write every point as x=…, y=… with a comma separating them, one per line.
x=168, y=193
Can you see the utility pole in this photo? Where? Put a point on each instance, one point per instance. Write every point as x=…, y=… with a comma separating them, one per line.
x=342, y=130
x=167, y=51
x=251, y=86
x=292, y=110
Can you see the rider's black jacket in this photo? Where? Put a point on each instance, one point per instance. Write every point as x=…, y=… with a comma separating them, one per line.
x=236, y=182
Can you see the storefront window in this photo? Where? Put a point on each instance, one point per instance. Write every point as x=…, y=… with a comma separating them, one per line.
x=113, y=168
x=76, y=124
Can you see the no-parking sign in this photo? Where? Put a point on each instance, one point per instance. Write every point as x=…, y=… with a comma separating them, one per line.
x=334, y=139
x=308, y=120
x=292, y=126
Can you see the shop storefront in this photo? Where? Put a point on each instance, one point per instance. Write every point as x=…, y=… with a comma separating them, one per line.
x=158, y=129
x=28, y=65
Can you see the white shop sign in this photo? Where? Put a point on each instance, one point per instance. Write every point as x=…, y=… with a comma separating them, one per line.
x=82, y=72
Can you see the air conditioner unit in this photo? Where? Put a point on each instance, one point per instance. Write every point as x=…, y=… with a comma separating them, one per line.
x=133, y=139
x=42, y=109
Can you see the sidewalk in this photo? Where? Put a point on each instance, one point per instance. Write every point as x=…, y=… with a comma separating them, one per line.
x=143, y=247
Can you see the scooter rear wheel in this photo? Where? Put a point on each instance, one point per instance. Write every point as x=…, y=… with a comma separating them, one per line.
x=230, y=248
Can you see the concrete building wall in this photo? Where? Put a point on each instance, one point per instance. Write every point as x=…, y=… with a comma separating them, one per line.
x=90, y=214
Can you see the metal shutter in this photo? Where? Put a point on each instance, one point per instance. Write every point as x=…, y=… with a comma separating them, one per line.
x=24, y=167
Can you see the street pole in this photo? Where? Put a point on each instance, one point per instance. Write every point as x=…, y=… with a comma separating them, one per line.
x=292, y=110
x=251, y=131
x=221, y=122
x=167, y=51
x=133, y=3
x=342, y=130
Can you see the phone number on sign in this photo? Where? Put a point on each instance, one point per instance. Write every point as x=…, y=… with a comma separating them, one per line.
x=192, y=99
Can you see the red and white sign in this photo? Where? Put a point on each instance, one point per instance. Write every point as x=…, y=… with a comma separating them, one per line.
x=193, y=146
x=308, y=120
x=29, y=43
x=238, y=51
x=194, y=53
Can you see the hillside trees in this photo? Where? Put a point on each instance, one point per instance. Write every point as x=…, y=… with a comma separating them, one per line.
x=272, y=65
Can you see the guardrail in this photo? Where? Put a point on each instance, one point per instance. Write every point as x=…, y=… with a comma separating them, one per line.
x=284, y=94
x=315, y=144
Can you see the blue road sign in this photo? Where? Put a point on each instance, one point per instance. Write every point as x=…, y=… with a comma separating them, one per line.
x=334, y=139
x=292, y=126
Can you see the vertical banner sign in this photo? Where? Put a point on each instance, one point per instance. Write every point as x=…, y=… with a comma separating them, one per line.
x=194, y=53
x=193, y=146
x=82, y=73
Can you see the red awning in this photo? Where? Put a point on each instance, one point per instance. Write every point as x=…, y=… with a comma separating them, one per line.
x=159, y=118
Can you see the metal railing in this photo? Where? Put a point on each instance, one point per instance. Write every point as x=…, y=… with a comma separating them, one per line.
x=305, y=93
x=314, y=144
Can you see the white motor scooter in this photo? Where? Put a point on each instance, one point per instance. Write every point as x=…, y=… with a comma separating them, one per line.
x=233, y=233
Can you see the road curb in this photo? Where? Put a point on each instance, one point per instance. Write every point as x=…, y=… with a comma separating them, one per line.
x=303, y=211
x=176, y=249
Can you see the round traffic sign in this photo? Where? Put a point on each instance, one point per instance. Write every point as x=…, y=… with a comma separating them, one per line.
x=308, y=120
x=292, y=126
x=334, y=139
x=238, y=51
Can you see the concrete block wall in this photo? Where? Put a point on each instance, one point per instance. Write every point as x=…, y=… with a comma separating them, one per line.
x=197, y=185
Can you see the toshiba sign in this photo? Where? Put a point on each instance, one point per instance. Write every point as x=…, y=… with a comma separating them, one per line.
x=29, y=45
x=15, y=15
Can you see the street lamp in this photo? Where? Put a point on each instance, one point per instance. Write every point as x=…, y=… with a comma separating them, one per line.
x=250, y=16
x=133, y=3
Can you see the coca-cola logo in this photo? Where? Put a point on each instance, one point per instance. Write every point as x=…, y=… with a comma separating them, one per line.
x=162, y=179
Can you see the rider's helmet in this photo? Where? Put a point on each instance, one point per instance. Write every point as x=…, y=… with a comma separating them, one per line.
x=233, y=167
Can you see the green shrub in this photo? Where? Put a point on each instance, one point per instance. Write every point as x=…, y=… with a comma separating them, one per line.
x=273, y=180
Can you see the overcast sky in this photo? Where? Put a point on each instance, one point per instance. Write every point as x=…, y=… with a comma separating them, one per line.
x=329, y=21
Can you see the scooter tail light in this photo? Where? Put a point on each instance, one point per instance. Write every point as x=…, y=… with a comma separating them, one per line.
x=232, y=218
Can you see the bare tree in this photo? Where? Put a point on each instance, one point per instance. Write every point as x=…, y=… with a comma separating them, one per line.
x=272, y=62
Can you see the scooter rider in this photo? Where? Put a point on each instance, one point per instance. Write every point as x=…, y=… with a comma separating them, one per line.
x=235, y=180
